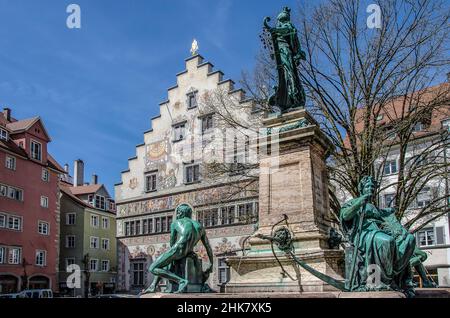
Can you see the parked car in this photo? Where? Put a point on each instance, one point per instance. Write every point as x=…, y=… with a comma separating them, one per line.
x=36, y=293
x=115, y=296
x=17, y=295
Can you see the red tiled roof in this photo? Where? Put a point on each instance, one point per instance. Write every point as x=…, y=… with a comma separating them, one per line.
x=21, y=125
x=87, y=189
x=66, y=190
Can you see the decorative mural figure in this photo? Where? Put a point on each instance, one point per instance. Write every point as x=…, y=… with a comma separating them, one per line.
x=289, y=93
x=180, y=264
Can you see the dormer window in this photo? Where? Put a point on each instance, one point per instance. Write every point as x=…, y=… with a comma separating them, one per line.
x=3, y=134
x=192, y=99
x=36, y=150
x=418, y=127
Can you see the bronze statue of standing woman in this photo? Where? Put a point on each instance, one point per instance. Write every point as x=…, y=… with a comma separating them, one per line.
x=289, y=93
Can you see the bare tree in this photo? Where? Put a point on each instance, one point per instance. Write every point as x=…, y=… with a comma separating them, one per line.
x=353, y=75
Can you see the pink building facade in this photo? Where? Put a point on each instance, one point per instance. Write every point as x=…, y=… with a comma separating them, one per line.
x=29, y=206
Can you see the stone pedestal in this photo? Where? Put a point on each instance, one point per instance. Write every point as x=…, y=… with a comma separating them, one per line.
x=190, y=268
x=293, y=181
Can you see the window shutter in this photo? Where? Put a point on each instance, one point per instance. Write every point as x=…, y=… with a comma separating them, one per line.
x=439, y=235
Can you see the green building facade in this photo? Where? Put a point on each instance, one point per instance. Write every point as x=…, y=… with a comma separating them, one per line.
x=88, y=240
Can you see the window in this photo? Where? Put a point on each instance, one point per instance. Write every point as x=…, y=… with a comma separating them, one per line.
x=224, y=271
x=3, y=190
x=179, y=131
x=150, y=182
x=440, y=235
x=70, y=241
x=14, y=223
x=207, y=123
x=446, y=124
x=91, y=199
x=105, y=244
x=105, y=223
x=418, y=127
x=423, y=197
x=105, y=266
x=36, y=150
x=44, y=202
x=14, y=256
x=192, y=100
x=15, y=194
x=41, y=258
x=2, y=220
x=426, y=237
x=192, y=173
x=10, y=163
x=43, y=228
x=2, y=255
x=111, y=205
x=127, y=228
x=137, y=273
x=93, y=265
x=94, y=242
x=94, y=221
x=100, y=202
x=45, y=175
x=390, y=167
x=70, y=261
x=227, y=216
x=246, y=213
x=71, y=218
x=150, y=226
x=3, y=134
x=158, y=225
x=137, y=225
x=389, y=200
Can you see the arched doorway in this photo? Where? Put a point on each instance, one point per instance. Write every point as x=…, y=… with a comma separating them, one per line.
x=39, y=282
x=8, y=284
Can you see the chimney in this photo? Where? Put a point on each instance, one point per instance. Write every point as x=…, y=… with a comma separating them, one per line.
x=66, y=168
x=78, y=173
x=94, y=179
x=7, y=113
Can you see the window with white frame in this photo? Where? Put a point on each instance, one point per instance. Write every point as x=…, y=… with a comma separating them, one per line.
x=426, y=237
x=41, y=258
x=246, y=212
x=150, y=182
x=100, y=202
x=70, y=261
x=2, y=220
x=36, y=150
x=179, y=132
x=44, y=201
x=389, y=200
x=111, y=205
x=446, y=124
x=418, y=127
x=91, y=200
x=2, y=255
x=192, y=173
x=43, y=228
x=423, y=197
x=192, y=99
x=10, y=163
x=70, y=241
x=3, y=190
x=94, y=221
x=45, y=175
x=15, y=193
x=14, y=255
x=3, y=134
x=105, y=265
x=105, y=222
x=93, y=265
x=390, y=167
x=14, y=223
x=105, y=244
x=94, y=242
x=207, y=123
x=71, y=218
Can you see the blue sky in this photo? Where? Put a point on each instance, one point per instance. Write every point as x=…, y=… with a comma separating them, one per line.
x=97, y=87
